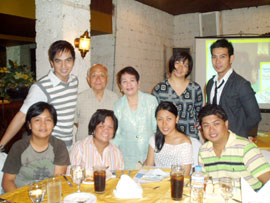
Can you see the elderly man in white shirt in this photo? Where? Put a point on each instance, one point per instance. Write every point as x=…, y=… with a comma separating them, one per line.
x=96, y=97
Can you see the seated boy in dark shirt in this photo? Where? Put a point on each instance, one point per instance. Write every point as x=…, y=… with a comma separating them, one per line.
x=38, y=156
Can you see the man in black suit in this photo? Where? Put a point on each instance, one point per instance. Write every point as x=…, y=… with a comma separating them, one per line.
x=231, y=91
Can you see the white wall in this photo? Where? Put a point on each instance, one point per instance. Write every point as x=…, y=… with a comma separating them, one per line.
x=186, y=28
x=254, y=20
x=102, y=52
x=143, y=34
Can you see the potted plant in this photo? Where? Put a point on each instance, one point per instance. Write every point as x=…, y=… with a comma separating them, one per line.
x=15, y=81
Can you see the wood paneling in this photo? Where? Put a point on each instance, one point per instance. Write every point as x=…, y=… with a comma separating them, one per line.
x=177, y=7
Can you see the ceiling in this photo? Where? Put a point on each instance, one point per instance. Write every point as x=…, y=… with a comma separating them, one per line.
x=177, y=7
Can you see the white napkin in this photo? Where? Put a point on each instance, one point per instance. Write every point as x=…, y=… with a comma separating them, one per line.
x=249, y=195
x=127, y=188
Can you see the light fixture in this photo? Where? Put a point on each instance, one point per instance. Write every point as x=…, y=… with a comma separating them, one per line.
x=83, y=43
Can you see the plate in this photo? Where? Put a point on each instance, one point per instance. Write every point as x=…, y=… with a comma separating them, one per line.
x=80, y=197
x=90, y=180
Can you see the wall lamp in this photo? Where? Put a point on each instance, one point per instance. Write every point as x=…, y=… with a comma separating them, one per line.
x=83, y=43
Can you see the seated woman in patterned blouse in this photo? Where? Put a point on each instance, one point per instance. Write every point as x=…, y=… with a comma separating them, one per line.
x=169, y=146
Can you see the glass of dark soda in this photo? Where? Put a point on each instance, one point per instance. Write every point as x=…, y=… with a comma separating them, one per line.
x=177, y=182
x=99, y=178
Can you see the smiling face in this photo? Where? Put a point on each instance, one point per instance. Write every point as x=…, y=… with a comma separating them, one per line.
x=98, y=78
x=42, y=125
x=104, y=131
x=166, y=122
x=62, y=63
x=129, y=85
x=215, y=129
x=221, y=61
x=181, y=68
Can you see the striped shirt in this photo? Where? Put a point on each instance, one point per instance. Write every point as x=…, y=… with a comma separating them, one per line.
x=239, y=158
x=63, y=97
x=85, y=152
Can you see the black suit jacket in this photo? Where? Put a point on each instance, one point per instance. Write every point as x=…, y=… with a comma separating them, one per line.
x=239, y=102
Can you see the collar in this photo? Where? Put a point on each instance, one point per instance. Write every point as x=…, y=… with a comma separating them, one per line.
x=232, y=137
x=225, y=77
x=55, y=80
x=93, y=143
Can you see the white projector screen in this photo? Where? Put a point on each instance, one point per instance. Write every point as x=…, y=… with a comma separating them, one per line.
x=252, y=61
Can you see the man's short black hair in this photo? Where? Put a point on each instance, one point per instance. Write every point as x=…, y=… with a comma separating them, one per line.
x=223, y=43
x=212, y=109
x=60, y=46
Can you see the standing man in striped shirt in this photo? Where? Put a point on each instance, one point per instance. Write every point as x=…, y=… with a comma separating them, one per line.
x=58, y=88
x=226, y=154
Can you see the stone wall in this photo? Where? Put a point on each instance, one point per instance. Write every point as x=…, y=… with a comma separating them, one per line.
x=143, y=35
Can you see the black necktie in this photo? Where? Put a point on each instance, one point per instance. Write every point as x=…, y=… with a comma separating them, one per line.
x=216, y=88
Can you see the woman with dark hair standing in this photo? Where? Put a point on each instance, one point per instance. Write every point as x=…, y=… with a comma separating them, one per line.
x=169, y=146
x=136, y=115
x=185, y=94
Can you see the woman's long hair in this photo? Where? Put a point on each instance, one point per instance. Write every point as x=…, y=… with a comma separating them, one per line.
x=159, y=136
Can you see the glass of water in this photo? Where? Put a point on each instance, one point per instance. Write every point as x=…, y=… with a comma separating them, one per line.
x=54, y=190
x=226, y=186
x=37, y=191
x=78, y=174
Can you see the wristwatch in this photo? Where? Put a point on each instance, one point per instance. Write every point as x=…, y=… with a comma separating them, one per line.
x=2, y=148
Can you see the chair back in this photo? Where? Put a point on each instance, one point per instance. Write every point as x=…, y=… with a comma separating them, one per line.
x=3, y=157
x=196, y=144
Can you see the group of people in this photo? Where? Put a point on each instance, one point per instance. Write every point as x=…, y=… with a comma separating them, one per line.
x=138, y=128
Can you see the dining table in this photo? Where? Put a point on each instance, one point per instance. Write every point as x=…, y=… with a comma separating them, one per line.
x=152, y=192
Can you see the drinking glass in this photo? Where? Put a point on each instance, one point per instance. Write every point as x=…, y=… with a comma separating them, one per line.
x=99, y=179
x=54, y=190
x=177, y=182
x=78, y=174
x=37, y=191
x=226, y=186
